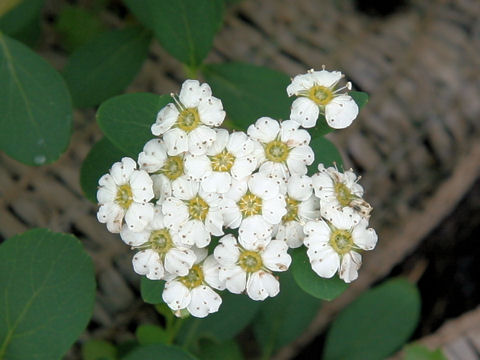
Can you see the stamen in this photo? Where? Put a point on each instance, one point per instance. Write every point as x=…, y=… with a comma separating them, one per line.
x=178, y=104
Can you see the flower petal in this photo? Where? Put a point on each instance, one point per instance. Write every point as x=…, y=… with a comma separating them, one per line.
x=204, y=301
x=341, y=111
x=351, y=262
x=261, y=285
x=176, y=141
x=275, y=256
x=305, y=112
x=176, y=295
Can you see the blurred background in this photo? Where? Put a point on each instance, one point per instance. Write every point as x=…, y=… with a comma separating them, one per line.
x=416, y=144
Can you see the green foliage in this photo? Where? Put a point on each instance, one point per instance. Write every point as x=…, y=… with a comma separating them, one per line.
x=185, y=28
x=97, y=163
x=21, y=19
x=77, y=26
x=376, y=324
x=310, y=282
x=249, y=92
x=151, y=334
x=212, y=350
x=152, y=290
x=283, y=318
x=99, y=350
x=158, y=351
x=326, y=153
x=35, y=106
x=47, y=289
x=420, y=352
x=105, y=66
x=224, y=324
x=322, y=128
x=126, y=120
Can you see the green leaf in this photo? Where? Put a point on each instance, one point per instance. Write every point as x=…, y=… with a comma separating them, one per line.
x=126, y=119
x=376, y=324
x=77, y=26
x=224, y=324
x=322, y=128
x=283, y=318
x=47, y=289
x=211, y=350
x=97, y=163
x=151, y=334
x=151, y=290
x=420, y=352
x=35, y=105
x=98, y=350
x=326, y=153
x=361, y=98
x=185, y=28
x=105, y=66
x=158, y=351
x=20, y=16
x=310, y=282
x=249, y=92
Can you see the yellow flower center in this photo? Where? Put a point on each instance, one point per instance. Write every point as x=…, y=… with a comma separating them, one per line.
x=343, y=194
x=188, y=119
x=222, y=162
x=341, y=241
x=250, y=205
x=250, y=261
x=124, y=196
x=276, y=151
x=194, y=277
x=198, y=208
x=292, y=210
x=173, y=167
x=321, y=95
x=161, y=241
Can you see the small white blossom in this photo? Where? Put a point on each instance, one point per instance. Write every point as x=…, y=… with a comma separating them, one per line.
x=246, y=267
x=286, y=149
x=193, y=291
x=159, y=252
x=186, y=125
x=333, y=246
x=317, y=94
x=338, y=192
x=302, y=206
x=231, y=156
x=194, y=212
x=254, y=205
x=125, y=193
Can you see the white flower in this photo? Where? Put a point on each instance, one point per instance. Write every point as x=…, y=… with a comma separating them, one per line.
x=231, y=156
x=302, y=206
x=124, y=193
x=317, y=94
x=194, y=212
x=333, y=246
x=194, y=290
x=250, y=268
x=338, y=192
x=254, y=205
x=286, y=149
x=186, y=125
x=159, y=250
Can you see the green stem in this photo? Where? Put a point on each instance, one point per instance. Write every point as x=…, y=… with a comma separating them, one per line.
x=173, y=329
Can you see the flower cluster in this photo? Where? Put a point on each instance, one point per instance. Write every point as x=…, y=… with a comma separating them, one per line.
x=195, y=180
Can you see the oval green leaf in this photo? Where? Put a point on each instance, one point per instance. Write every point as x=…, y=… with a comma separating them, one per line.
x=151, y=334
x=310, y=282
x=224, y=324
x=97, y=163
x=19, y=16
x=105, y=66
x=185, y=28
x=322, y=128
x=376, y=324
x=99, y=350
x=283, y=318
x=420, y=352
x=35, y=105
x=158, y=351
x=47, y=290
x=211, y=350
x=249, y=92
x=152, y=290
x=126, y=120
x=326, y=153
